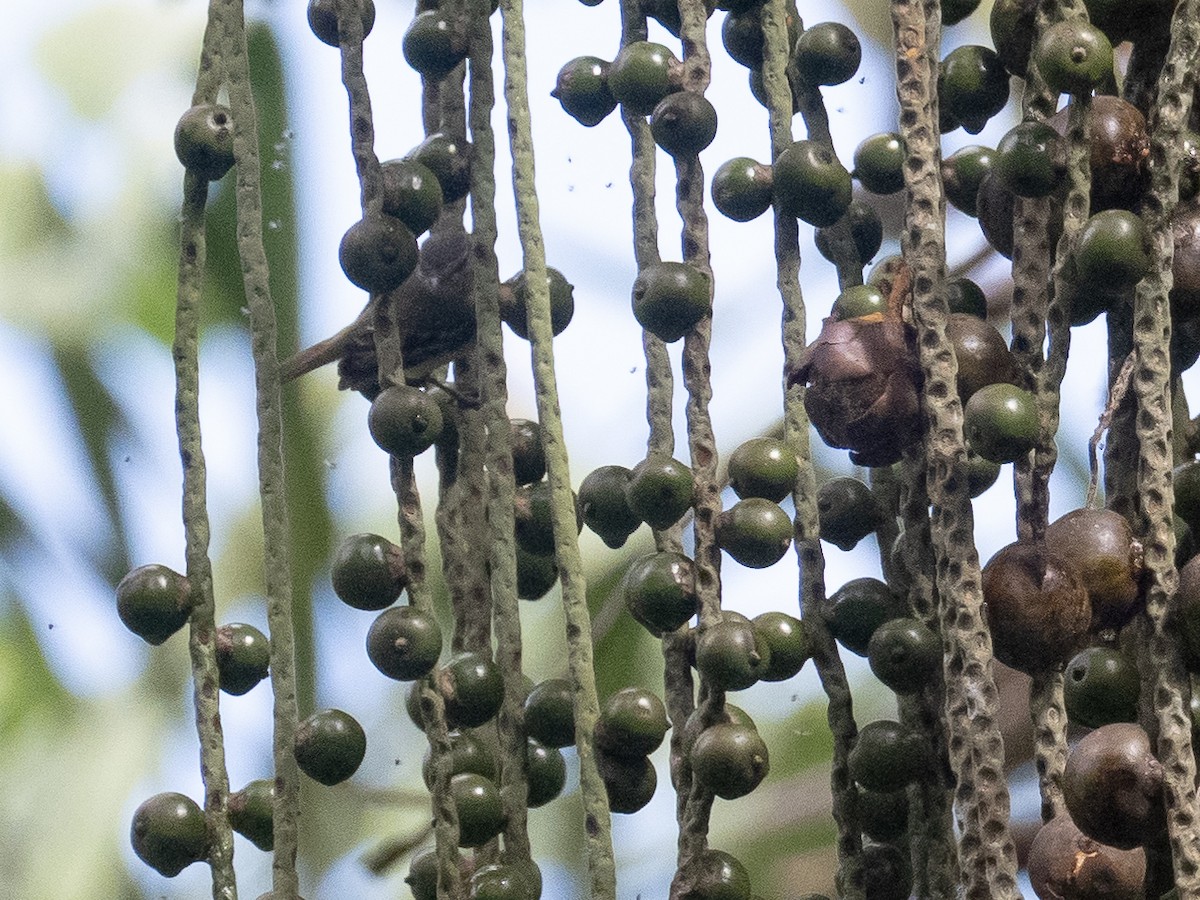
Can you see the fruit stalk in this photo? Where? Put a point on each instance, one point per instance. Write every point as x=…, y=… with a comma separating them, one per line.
x=1161, y=661
x=813, y=605
x=598, y=828
x=987, y=854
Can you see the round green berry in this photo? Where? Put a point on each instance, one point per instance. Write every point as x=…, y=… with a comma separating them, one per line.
x=154, y=602
x=243, y=657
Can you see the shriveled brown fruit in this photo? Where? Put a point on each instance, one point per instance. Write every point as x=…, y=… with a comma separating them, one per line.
x=1066, y=864
x=863, y=388
x=1112, y=785
x=1100, y=543
x=1120, y=147
x=982, y=354
x=1037, y=608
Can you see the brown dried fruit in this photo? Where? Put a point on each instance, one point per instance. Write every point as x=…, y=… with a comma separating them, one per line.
x=1066, y=864
x=1113, y=787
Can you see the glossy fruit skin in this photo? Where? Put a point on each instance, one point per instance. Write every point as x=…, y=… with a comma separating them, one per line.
x=811, y=184
x=887, y=756
x=905, y=655
x=498, y=881
x=377, y=253
x=550, y=713
x=742, y=189
x=719, y=876
x=883, y=816
x=660, y=490
x=963, y=295
x=730, y=655
x=204, y=140
x=535, y=517
x=422, y=876
x=252, y=813
x=1031, y=159
x=330, y=746
x=1074, y=57
x=404, y=420
x=467, y=754
x=1120, y=148
x=449, y=159
x=660, y=591
x=1012, y=24
x=1112, y=251
x=789, y=642
x=730, y=760
x=168, y=833
x=866, y=231
x=859, y=300
x=630, y=782
x=529, y=454
x=323, y=19
x=683, y=123
x=545, y=772
x=962, y=172
x=514, y=303
x=1101, y=686
x=671, y=297
x=1113, y=785
x=404, y=643
x=582, y=89
x=154, y=602
x=982, y=354
x=846, y=511
x=763, y=467
x=433, y=45
x=879, y=163
x=972, y=86
x=1065, y=863
x=1000, y=422
x=243, y=657
x=633, y=722
x=605, y=509
x=981, y=474
x=1100, y=543
x=480, y=809
x=755, y=532
x=473, y=688
x=537, y=573
x=742, y=36
x=827, y=53
x=1037, y=608
x=994, y=205
x=411, y=193
x=860, y=606
x=641, y=75
x=368, y=572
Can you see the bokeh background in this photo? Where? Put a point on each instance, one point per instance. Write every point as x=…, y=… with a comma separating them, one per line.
x=92, y=720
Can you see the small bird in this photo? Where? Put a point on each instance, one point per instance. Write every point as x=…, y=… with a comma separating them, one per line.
x=433, y=310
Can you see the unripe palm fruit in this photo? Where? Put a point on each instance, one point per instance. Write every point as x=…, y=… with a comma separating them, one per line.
x=1013, y=27
x=330, y=746
x=1189, y=610
x=582, y=89
x=886, y=872
x=730, y=655
x=981, y=474
x=858, y=301
x=605, y=509
x=1074, y=57
x=323, y=19
x=404, y=643
x=789, y=643
x=368, y=572
x=718, y=876
x=660, y=591
x=168, y=833
x=683, y=123
x=633, y=722
x=499, y=881
x=811, y=184
x=669, y=298
x=641, y=75
x=545, y=773
x=1000, y=422
x=883, y=816
x=467, y=754
x=550, y=712
x=252, y=812
x=535, y=517
x=763, y=467
x=962, y=173
x=755, y=532
x=422, y=877
x=514, y=302
x=972, y=86
x=528, y=451
x=1031, y=159
x=154, y=602
x=954, y=11
x=204, y=140
x=742, y=189
x=1113, y=787
x=1112, y=251
x=472, y=687
x=994, y=204
x=847, y=512
x=377, y=253
x=1066, y=864
x=449, y=159
x=730, y=760
x=1101, y=686
x=537, y=573
x=879, y=163
x=411, y=193
x=859, y=607
x=827, y=53
x=404, y=420
x=243, y=657
x=480, y=809
x=982, y=355
x=630, y=782
x=433, y=44
x=1037, y=608
x=887, y=756
x=905, y=655
x=962, y=295
x=866, y=231
x=1101, y=545
x=660, y=490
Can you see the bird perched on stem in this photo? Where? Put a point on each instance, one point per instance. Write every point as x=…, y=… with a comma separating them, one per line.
x=433, y=311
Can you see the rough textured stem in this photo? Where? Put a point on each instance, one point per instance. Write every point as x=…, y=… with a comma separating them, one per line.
x=276, y=531
x=597, y=825
x=362, y=128
x=813, y=602
x=986, y=850
x=1161, y=658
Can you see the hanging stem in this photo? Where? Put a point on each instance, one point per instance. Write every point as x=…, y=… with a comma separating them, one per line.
x=597, y=825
